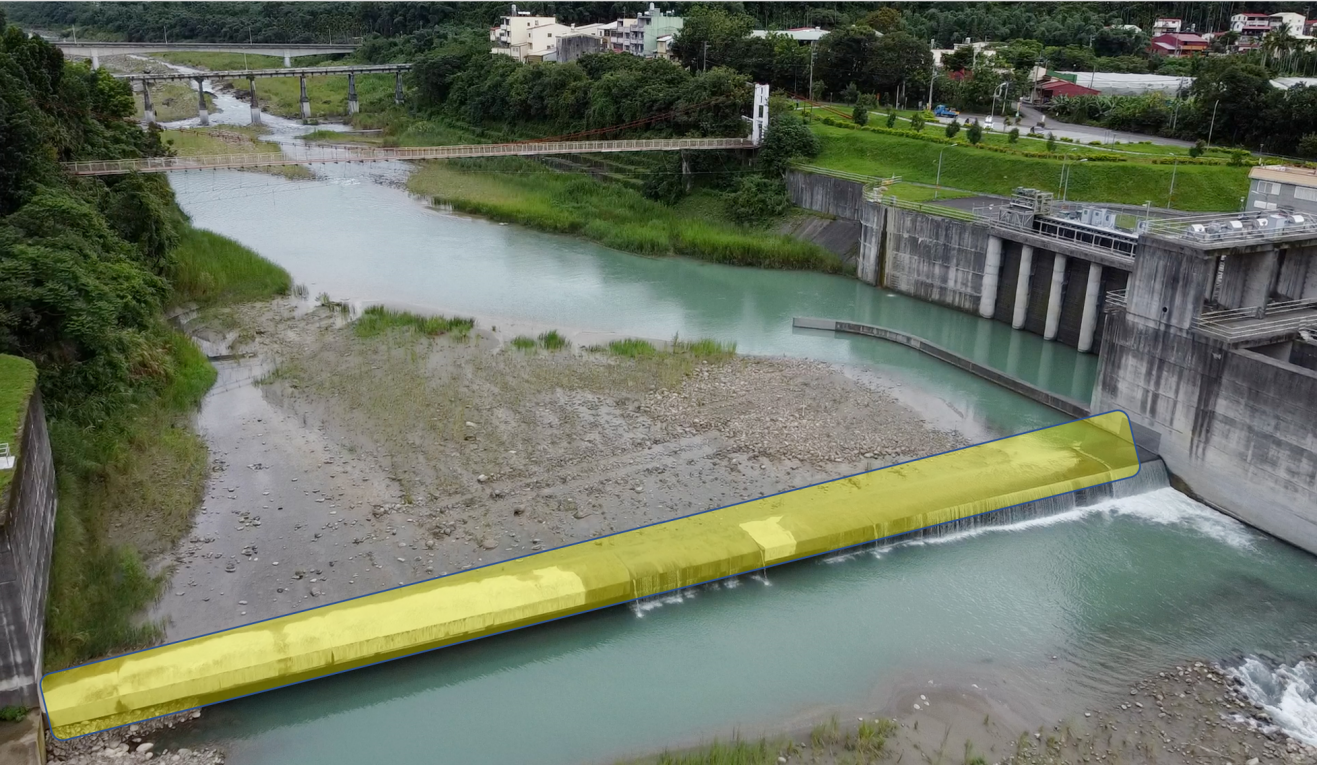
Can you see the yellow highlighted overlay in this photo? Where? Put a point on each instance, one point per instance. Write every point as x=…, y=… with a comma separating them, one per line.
x=581, y=577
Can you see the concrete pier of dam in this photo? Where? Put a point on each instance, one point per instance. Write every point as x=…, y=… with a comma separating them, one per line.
x=1206, y=327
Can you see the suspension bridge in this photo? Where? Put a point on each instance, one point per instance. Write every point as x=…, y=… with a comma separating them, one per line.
x=583, y=142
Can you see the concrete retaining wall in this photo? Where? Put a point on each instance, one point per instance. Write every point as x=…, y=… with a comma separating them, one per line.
x=25, y=546
x=934, y=258
x=1236, y=426
x=839, y=236
x=825, y=194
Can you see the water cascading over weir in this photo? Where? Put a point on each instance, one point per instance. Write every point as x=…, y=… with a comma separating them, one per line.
x=946, y=490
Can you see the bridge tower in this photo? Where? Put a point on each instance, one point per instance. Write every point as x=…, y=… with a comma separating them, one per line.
x=759, y=114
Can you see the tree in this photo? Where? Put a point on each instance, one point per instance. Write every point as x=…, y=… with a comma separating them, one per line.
x=860, y=115
x=848, y=56
x=953, y=127
x=1051, y=144
x=710, y=36
x=1308, y=146
x=899, y=59
x=917, y=122
x=1014, y=135
x=974, y=133
x=891, y=119
x=788, y=139
x=1198, y=149
x=884, y=20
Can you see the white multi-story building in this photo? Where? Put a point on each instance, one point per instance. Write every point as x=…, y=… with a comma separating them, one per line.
x=1166, y=27
x=1250, y=24
x=1293, y=22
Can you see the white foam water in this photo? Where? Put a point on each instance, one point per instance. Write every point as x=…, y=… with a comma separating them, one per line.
x=1287, y=693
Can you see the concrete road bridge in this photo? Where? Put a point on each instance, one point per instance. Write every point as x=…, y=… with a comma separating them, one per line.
x=251, y=75
x=95, y=49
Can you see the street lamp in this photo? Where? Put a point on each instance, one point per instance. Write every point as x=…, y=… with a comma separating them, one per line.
x=1212, y=126
x=937, y=187
x=1175, y=165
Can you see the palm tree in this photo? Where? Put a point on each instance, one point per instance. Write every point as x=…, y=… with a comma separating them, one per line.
x=1277, y=43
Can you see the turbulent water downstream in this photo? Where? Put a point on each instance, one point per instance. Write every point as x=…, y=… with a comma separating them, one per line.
x=1051, y=612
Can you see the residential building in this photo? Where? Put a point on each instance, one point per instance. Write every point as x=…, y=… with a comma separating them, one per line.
x=1178, y=44
x=664, y=50
x=1293, y=22
x=1250, y=24
x=1274, y=187
x=1165, y=27
x=526, y=37
x=583, y=40
x=640, y=36
x=1051, y=87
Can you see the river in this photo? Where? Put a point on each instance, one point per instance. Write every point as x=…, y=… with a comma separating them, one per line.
x=1052, y=613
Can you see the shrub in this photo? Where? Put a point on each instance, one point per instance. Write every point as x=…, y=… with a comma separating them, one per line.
x=917, y=123
x=891, y=119
x=1051, y=143
x=1198, y=149
x=1014, y=135
x=860, y=115
x=757, y=201
x=952, y=128
x=974, y=133
x=1238, y=158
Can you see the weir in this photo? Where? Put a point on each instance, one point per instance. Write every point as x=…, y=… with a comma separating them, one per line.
x=621, y=568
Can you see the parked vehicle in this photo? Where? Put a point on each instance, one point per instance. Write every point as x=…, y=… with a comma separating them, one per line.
x=943, y=110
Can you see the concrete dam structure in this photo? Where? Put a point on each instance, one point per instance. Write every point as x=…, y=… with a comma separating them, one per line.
x=943, y=489
x=1206, y=326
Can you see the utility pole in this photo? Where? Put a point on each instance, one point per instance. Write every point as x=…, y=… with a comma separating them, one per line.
x=1174, y=167
x=705, y=67
x=1212, y=126
x=932, y=74
x=810, y=95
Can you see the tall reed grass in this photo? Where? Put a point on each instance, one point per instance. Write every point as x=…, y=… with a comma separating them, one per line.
x=209, y=269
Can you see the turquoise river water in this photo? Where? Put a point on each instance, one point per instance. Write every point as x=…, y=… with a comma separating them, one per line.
x=1113, y=592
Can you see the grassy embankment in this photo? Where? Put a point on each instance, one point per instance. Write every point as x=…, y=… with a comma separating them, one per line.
x=283, y=95
x=128, y=486
x=1197, y=187
x=526, y=193
x=231, y=139
x=17, y=379
x=828, y=745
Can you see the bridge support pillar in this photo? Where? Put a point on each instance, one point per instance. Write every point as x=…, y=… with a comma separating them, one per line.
x=203, y=116
x=1054, y=297
x=1022, y=287
x=352, y=94
x=306, y=102
x=148, y=109
x=1092, y=296
x=991, y=273
x=397, y=87
x=256, y=104
x=288, y=60
x=95, y=60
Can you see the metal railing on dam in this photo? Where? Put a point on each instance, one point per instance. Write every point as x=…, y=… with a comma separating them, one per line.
x=590, y=575
x=373, y=154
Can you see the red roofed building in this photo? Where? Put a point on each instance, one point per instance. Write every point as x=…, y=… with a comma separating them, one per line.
x=1179, y=44
x=1052, y=87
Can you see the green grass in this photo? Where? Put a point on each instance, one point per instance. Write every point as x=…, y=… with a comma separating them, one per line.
x=142, y=469
x=12, y=713
x=553, y=341
x=210, y=269
x=1197, y=187
x=523, y=343
x=18, y=377
x=231, y=139
x=378, y=320
x=912, y=193
x=632, y=348
x=525, y=193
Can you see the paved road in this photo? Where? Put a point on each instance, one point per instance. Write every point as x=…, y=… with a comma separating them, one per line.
x=1082, y=133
